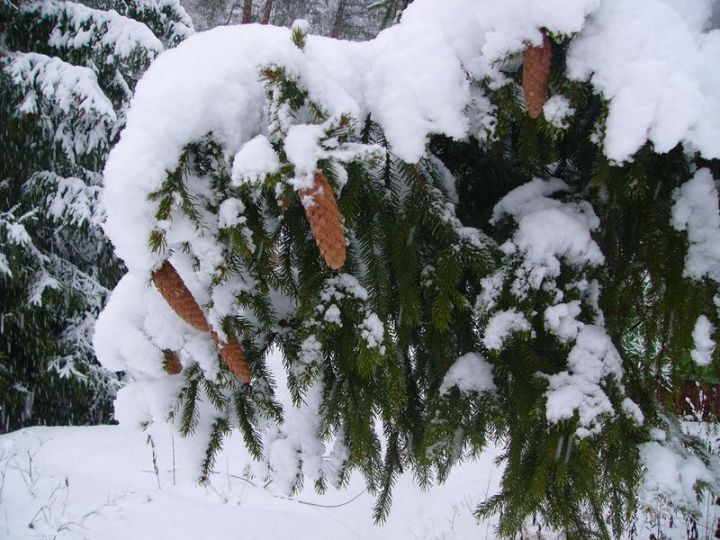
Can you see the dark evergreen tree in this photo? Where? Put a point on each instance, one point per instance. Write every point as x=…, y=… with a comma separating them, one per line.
x=67, y=72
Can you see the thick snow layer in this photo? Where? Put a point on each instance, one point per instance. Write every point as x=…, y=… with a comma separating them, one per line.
x=651, y=58
x=696, y=211
x=591, y=361
x=549, y=232
x=146, y=325
x=670, y=475
x=704, y=344
x=470, y=373
x=501, y=326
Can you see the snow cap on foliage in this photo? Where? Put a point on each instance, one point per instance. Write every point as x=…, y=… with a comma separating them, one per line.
x=103, y=31
x=548, y=231
x=671, y=474
x=704, y=344
x=501, y=325
x=561, y=320
x=557, y=110
x=470, y=373
x=53, y=86
x=696, y=211
x=653, y=62
x=255, y=160
x=591, y=361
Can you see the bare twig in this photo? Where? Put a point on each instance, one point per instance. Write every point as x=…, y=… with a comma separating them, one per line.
x=4, y=474
x=151, y=442
x=308, y=503
x=172, y=440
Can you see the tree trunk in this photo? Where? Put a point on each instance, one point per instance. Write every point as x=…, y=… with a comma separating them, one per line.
x=339, y=16
x=247, y=12
x=266, y=12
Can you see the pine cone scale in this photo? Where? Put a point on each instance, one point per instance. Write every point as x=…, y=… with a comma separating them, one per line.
x=234, y=356
x=536, y=76
x=178, y=296
x=325, y=221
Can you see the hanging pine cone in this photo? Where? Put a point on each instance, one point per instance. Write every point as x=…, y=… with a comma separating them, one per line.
x=172, y=365
x=234, y=356
x=179, y=297
x=325, y=221
x=536, y=75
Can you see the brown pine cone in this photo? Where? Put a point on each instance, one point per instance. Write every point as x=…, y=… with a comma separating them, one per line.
x=172, y=364
x=179, y=297
x=234, y=356
x=325, y=221
x=536, y=76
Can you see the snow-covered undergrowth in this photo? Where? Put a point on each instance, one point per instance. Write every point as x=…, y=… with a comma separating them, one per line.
x=99, y=483
x=107, y=483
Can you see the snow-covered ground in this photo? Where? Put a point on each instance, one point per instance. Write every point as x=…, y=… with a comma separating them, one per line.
x=99, y=483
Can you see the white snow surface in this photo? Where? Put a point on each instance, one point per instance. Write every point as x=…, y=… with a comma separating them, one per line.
x=652, y=59
x=98, y=483
x=591, y=361
x=696, y=211
x=470, y=373
x=501, y=326
x=704, y=344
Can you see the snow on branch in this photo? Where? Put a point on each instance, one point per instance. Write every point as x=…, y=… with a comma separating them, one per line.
x=166, y=18
x=13, y=234
x=74, y=110
x=104, y=32
x=415, y=79
x=696, y=211
x=69, y=200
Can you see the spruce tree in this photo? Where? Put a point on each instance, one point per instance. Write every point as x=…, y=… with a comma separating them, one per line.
x=517, y=268
x=67, y=72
